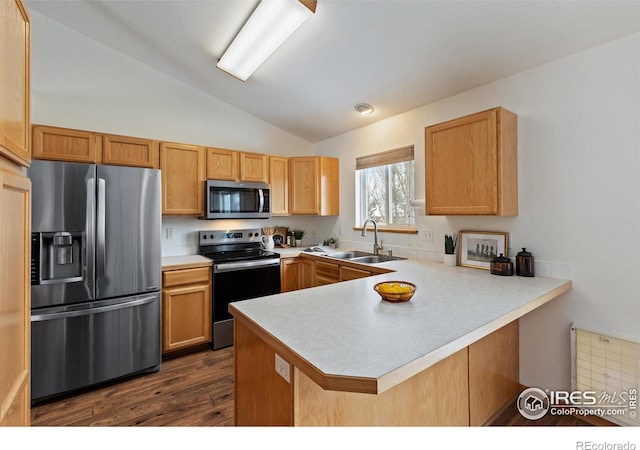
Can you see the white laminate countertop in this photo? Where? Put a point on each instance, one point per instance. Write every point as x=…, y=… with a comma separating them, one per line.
x=184, y=262
x=345, y=330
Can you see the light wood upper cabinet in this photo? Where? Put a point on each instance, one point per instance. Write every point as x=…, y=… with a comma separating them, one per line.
x=314, y=186
x=183, y=176
x=15, y=74
x=186, y=308
x=130, y=151
x=472, y=165
x=15, y=294
x=279, y=182
x=223, y=164
x=63, y=144
x=254, y=167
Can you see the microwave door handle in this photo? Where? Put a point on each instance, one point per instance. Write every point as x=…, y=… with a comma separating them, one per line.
x=90, y=245
x=261, y=205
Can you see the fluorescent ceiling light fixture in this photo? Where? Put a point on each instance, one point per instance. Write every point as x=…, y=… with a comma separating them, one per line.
x=272, y=22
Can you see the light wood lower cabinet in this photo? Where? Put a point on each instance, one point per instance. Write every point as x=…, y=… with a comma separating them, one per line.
x=186, y=308
x=466, y=388
x=326, y=273
x=494, y=373
x=351, y=273
x=307, y=271
x=15, y=295
x=290, y=274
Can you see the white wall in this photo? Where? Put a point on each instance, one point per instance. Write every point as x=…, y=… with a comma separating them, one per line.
x=579, y=192
x=80, y=83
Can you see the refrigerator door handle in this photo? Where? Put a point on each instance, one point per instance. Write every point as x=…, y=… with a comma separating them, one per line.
x=89, y=311
x=100, y=231
x=89, y=263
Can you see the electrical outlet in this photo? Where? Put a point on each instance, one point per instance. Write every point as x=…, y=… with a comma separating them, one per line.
x=169, y=233
x=427, y=234
x=283, y=368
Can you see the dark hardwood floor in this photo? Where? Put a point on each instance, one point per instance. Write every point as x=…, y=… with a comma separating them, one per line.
x=191, y=390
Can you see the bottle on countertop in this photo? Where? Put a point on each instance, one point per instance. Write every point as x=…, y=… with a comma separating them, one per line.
x=524, y=263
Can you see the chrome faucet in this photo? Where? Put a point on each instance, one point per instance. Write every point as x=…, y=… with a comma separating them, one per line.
x=376, y=247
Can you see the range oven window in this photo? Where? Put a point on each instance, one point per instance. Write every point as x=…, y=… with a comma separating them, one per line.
x=241, y=285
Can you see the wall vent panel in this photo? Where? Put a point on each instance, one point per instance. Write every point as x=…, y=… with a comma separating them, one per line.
x=610, y=366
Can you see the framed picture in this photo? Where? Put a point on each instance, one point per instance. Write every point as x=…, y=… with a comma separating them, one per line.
x=478, y=248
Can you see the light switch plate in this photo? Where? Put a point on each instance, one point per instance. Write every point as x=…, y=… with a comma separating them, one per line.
x=283, y=368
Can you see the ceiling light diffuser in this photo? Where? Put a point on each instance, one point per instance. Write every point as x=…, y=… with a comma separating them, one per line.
x=364, y=108
x=272, y=22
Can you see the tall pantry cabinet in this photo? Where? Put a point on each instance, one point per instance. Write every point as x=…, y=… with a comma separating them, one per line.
x=15, y=210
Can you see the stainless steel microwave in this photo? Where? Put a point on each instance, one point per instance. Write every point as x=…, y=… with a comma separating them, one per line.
x=236, y=200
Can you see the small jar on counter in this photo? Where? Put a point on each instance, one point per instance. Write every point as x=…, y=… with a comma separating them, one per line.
x=524, y=263
x=501, y=265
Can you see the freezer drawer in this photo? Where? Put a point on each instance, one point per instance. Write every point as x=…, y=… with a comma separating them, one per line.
x=75, y=347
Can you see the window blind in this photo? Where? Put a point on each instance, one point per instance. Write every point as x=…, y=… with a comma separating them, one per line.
x=383, y=158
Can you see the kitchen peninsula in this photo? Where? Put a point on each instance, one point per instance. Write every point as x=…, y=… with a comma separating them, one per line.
x=338, y=355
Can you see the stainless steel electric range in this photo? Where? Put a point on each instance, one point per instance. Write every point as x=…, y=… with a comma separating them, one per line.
x=241, y=270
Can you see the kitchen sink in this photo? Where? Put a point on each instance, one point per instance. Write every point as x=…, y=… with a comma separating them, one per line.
x=373, y=259
x=350, y=255
x=364, y=257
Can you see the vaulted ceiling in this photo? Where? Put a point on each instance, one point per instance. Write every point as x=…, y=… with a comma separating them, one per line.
x=396, y=55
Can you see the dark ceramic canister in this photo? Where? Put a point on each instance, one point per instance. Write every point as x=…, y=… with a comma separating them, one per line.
x=524, y=263
x=501, y=265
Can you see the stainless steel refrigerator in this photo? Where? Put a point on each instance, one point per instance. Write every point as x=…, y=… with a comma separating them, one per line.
x=95, y=274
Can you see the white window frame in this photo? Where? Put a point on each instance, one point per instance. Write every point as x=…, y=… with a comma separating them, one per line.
x=384, y=159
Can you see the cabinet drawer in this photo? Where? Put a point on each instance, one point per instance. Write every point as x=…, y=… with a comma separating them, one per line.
x=326, y=273
x=186, y=276
x=349, y=273
x=327, y=270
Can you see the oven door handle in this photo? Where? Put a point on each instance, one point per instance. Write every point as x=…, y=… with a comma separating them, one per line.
x=229, y=267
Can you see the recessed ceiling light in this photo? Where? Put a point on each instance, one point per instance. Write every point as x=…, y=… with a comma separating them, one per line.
x=364, y=108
